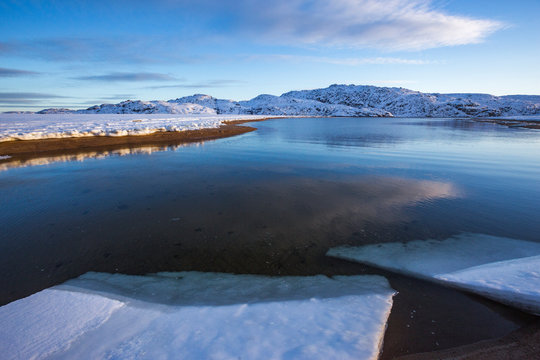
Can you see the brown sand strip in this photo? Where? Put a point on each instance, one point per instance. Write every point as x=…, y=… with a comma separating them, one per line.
x=521, y=344
x=29, y=148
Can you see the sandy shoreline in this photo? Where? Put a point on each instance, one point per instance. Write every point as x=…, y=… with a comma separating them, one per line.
x=28, y=148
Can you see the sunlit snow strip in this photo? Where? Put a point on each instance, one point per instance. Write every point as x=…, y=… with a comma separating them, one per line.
x=46, y=126
x=505, y=270
x=513, y=282
x=49, y=321
x=200, y=316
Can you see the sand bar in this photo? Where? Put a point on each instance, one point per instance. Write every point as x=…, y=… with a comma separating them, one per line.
x=29, y=148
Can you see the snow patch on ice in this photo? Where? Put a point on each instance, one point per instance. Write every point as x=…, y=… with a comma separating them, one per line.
x=49, y=321
x=201, y=315
x=514, y=282
x=505, y=270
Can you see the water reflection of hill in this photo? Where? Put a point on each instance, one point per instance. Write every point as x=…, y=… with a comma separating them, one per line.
x=82, y=155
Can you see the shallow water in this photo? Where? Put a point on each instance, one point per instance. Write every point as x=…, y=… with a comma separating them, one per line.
x=272, y=202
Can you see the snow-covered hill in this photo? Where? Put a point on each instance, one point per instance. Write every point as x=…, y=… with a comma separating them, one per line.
x=336, y=100
x=408, y=103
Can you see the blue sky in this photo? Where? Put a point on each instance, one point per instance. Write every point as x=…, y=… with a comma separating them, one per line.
x=79, y=53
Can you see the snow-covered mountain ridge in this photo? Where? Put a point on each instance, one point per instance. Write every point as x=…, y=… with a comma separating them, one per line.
x=335, y=100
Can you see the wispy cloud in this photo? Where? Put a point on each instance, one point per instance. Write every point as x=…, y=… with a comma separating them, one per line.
x=393, y=24
x=20, y=106
x=106, y=99
x=26, y=97
x=129, y=76
x=392, y=82
x=390, y=24
x=118, y=96
x=344, y=60
x=5, y=72
x=119, y=49
x=204, y=84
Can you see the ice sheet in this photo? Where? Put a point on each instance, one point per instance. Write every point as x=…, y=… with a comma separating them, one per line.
x=49, y=321
x=514, y=282
x=200, y=316
x=506, y=270
x=44, y=126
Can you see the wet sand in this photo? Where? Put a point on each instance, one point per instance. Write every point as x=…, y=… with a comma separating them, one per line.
x=521, y=344
x=29, y=148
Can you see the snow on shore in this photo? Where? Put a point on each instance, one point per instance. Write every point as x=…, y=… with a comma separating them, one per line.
x=38, y=126
x=200, y=316
x=502, y=269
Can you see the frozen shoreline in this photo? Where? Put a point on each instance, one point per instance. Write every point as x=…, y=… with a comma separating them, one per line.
x=501, y=269
x=57, y=126
x=194, y=315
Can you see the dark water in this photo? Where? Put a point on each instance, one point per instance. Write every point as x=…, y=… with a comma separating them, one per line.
x=273, y=201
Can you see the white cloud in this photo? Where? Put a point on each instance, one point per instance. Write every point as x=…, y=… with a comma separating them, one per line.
x=392, y=82
x=386, y=24
x=393, y=24
x=349, y=61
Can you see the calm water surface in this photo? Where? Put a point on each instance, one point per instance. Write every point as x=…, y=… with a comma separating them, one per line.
x=273, y=201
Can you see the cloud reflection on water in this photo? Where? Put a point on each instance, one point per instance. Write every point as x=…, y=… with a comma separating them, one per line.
x=272, y=226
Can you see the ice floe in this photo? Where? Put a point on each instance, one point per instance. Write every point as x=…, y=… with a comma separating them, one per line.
x=200, y=316
x=502, y=269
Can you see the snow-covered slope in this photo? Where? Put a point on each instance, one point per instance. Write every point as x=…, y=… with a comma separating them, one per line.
x=276, y=105
x=336, y=100
x=199, y=316
x=407, y=103
x=148, y=107
x=281, y=105
x=502, y=269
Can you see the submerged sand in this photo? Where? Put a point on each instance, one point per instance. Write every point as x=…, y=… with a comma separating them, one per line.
x=521, y=344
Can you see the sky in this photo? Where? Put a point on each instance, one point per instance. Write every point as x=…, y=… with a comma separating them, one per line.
x=79, y=53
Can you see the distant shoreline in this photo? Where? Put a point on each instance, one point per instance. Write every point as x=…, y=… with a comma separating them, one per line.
x=511, y=123
x=72, y=145
x=17, y=149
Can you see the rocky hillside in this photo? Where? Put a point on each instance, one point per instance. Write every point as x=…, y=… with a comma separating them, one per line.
x=336, y=100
